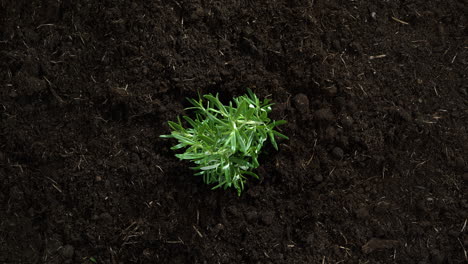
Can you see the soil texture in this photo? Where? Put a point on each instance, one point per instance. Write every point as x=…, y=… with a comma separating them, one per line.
x=374, y=92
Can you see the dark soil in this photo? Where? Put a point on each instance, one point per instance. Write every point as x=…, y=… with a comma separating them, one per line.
x=375, y=94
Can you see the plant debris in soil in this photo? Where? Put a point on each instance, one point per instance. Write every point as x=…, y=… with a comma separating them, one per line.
x=375, y=96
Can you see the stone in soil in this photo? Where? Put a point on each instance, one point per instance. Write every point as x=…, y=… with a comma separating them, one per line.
x=301, y=103
x=338, y=152
x=324, y=114
x=68, y=251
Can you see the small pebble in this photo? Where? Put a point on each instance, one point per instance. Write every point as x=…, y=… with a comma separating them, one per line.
x=251, y=216
x=376, y=244
x=318, y=177
x=301, y=102
x=453, y=233
x=340, y=102
x=310, y=239
x=233, y=211
x=347, y=121
x=13, y=94
x=147, y=252
x=437, y=257
x=459, y=163
x=330, y=133
x=382, y=207
x=405, y=115
x=343, y=141
x=267, y=218
x=421, y=206
x=68, y=251
x=338, y=152
x=330, y=91
x=465, y=177
x=134, y=158
x=105, y=217
x=352, y=106
x=324, y=114
x=362, y=213
x=218, y=228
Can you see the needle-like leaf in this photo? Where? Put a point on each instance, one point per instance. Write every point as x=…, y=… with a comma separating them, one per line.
x=224, y=141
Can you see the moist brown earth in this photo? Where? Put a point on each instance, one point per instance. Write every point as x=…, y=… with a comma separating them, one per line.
x=374, y=92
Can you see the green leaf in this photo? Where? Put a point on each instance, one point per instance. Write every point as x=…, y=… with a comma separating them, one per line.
x=183, y=139
x=251, y=174
x=224, y=141
x=279, y=122
x=207, y=140
x=255, y=163
x=233, y=141
x=251, y=94
x=217, y=120
x=241, y=141
x=175, y=126
x=188, y=156
x=249, y=140
x=240, y=161
x=241, y=108
x=190, y=121
x=193, y=102
x=273, y=141
x=219, y=185
x=216, y=102
x=210, y=167
x=279, y=134
x=227, y=170
x=179, y=146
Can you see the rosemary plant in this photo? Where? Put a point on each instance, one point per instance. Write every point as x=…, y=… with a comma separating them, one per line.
x=224, y=141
